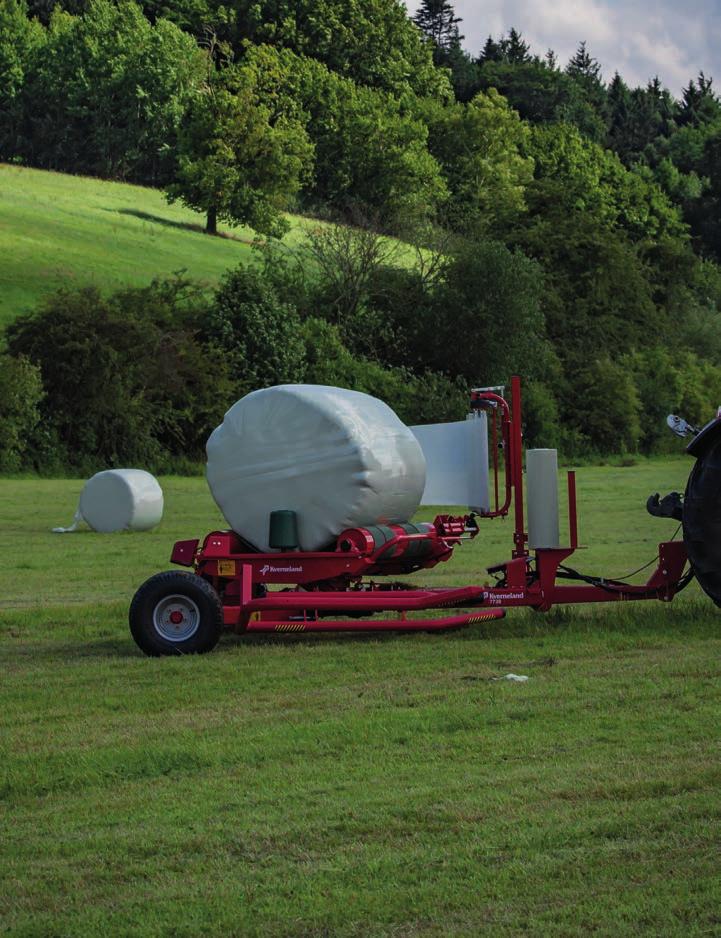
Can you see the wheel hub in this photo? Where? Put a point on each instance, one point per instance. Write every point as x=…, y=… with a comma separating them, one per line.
x=176, y=618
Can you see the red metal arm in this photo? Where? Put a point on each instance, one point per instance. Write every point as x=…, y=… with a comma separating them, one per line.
x=497, y=403
x=512, y=433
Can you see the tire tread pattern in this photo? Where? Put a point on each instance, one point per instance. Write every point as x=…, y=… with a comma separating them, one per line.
x=140, y=615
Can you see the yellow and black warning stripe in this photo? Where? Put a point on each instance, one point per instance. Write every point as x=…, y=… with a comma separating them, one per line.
x=290, y=627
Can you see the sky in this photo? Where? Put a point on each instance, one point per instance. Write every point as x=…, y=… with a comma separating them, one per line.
x=639, y=38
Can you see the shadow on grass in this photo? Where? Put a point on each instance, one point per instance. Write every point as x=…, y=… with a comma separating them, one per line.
x=518, y=624
x=65, y=651
x=644, y=621
x=182, y=225
x=284, y=640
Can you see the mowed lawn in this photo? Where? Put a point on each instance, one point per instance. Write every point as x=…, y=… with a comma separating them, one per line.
x=355, y=786
x=58, y=230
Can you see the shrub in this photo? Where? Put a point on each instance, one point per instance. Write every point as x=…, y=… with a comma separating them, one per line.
x=21, y=391
x=256, y=332
x=601, y=412
x=126, y=378
x=659, y=385
x=700, y=385
x=430, y=397
x=541, y=425
x=480, y=319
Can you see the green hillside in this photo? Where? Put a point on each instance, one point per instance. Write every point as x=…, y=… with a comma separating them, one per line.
x=57, y=230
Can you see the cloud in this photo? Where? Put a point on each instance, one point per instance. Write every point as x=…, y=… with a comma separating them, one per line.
x=635, y=38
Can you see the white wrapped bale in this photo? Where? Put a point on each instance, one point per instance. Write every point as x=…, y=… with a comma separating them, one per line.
x=338, y=458
x=119, y=500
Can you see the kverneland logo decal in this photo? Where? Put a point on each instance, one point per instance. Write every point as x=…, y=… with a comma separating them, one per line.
x=495, y=599
x=269, y=568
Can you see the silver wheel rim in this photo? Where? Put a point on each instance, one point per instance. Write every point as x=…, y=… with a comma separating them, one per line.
x=176, y=618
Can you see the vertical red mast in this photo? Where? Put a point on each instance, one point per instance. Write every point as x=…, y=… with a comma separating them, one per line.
x=520, y=537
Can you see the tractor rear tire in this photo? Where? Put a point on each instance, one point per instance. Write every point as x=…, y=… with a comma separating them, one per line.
x=702, y=521
x=176, y=613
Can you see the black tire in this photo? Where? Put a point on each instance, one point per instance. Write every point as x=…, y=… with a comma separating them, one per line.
x=176, y=613
x=702, y=521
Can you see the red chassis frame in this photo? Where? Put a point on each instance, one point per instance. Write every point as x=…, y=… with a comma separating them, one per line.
x=326, y=590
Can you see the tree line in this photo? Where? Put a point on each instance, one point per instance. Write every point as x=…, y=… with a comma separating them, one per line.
x=564, y=226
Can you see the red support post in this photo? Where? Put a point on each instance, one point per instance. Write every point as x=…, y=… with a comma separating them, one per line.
x=494, y=446
x=520, y=537
x=572, y=510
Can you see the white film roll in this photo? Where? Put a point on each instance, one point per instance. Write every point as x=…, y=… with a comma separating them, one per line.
x=542, y=497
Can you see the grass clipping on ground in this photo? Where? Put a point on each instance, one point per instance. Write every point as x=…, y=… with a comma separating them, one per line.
x=341, y=786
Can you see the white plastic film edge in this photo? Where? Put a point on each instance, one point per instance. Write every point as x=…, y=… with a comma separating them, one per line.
x=456, y=457
x=77, y=519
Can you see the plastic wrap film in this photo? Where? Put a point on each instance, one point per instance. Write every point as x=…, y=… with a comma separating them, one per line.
x=456, y=457
x=542, y=489
x=121, y=500
x=338, y=458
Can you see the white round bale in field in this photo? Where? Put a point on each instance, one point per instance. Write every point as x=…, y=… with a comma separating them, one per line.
x=337, y=458
x=121, y=500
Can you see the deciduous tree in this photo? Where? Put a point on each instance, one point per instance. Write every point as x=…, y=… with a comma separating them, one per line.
x=372, y=42
x=240, y=159
x=371, y=153
x=480, y=147
x=106, y=92
x=19, y=39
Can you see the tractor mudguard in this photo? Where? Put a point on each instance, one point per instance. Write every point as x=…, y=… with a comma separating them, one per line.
x=705, y=438
x=702, y=511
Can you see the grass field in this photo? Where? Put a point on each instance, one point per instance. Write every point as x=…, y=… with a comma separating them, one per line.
x=322, y=786
x=59, y=230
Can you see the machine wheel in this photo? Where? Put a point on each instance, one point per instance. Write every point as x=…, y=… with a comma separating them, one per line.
x=176, y=613
x=702, y=521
